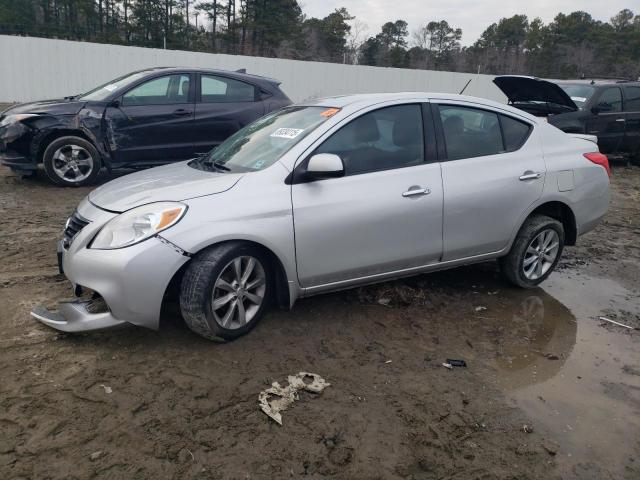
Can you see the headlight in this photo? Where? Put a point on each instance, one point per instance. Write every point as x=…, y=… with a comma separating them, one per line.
x=138, y=224
x=9, y=119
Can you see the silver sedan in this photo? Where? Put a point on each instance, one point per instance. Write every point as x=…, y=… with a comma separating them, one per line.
x=328, y=194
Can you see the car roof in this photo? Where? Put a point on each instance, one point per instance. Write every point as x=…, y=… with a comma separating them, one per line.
x=239, y=74
x=367, y=99
x=597, y=82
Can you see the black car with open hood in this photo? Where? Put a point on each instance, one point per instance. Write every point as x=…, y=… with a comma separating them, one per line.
x=535, y=96
x=608, y=109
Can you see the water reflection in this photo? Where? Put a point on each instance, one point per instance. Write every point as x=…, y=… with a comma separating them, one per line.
x=541, y=338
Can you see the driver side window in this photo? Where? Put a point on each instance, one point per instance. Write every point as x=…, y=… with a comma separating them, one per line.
x=172, y=89
x=610, y=100
x=387, y=138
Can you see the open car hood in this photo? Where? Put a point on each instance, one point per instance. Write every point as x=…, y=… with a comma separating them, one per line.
x=535, y=96
x=172, y=182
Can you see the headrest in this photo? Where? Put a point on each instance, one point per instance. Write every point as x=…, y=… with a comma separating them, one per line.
x=453, y=125
x=184, y=88
x=365, y=129
x=407, y=132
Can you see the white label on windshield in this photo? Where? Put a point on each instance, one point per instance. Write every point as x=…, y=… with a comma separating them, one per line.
x=579, y=99
x=111, y=87
x=287, y=132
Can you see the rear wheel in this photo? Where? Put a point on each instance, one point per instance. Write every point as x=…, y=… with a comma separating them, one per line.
x=71, y=161
x=535, y=252
x=226, y=290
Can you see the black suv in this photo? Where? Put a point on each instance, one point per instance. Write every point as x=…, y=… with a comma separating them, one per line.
x=142, y=119
x=608, y=109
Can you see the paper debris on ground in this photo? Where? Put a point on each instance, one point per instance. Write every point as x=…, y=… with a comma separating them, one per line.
x=285, y=396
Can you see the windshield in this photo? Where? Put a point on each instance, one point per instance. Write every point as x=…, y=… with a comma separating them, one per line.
x=261, y=143
x=580, y=94
x=103, y=91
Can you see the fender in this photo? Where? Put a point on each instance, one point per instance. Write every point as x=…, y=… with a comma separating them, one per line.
x=88, y=122
x=549, y=198
x=289, y=282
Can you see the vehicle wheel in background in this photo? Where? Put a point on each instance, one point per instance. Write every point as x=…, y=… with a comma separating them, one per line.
x=226, y=290
x=71, y=161
x=535, y=252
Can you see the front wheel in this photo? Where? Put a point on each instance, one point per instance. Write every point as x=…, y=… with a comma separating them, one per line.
x=226, y=290
x=71, y=161
x=535, y=252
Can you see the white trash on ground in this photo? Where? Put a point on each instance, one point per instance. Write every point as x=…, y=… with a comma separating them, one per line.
x=289, y=394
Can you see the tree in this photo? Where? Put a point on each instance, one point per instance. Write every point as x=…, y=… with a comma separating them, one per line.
x=327, y=37
x=437, y=42
x=572, y=45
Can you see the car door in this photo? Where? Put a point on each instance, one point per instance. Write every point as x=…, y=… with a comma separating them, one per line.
x=153, y=121
x=494, y=170
x=606, y=120
x=631, y=110
x=384, y=214
x=224, y=105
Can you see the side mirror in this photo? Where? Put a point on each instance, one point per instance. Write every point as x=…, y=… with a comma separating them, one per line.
x=595, y=110
x=325, y=165
x=114, y=103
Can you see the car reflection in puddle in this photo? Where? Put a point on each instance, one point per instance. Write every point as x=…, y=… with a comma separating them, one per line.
x=577, y=381
x=542, y=336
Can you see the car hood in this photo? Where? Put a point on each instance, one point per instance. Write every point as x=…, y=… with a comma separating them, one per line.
x=52, y=107
x=173, y=182
x=522, y=90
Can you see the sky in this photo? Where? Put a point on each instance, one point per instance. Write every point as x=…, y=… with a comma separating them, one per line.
x=473, y=16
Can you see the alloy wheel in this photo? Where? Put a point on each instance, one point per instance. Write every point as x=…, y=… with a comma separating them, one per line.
x=238, y=292
x=72, y=163
x=541, y=254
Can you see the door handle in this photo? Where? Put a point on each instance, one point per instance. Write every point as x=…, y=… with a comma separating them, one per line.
x=416, y=191
x=621, y=120
x=529, y=175
x=181, y=112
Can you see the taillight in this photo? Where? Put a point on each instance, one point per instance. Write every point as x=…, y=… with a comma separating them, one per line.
x=599, y=159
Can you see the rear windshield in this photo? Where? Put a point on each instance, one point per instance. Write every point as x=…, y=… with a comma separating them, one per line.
x=580, y=94
x=261, y=143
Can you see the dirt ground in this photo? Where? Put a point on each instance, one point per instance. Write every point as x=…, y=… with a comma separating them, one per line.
x=549, y=391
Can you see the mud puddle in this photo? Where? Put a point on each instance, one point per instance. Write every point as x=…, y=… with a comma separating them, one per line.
x=577, y=379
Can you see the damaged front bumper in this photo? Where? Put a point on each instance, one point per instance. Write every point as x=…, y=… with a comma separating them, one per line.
x=129, y=282
x=76, y=317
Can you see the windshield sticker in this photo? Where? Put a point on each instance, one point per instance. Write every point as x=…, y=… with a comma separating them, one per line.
x=579, y=99
x=258, y=164
x=287, y=132
x=111, y=87
x=329, y=112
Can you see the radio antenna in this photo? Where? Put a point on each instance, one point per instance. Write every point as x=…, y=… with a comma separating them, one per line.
x=465, y=87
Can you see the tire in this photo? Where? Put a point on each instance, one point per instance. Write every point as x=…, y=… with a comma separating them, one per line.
x=524, y=265
x=202, y=280
x=71, y=162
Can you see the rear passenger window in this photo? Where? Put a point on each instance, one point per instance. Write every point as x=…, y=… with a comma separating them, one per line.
x=514, y=132
x=632, y=99
x=391, y=137
x=470, y=132
x=225, y=90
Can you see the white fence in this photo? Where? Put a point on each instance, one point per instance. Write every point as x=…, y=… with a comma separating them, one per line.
x=36, y=68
